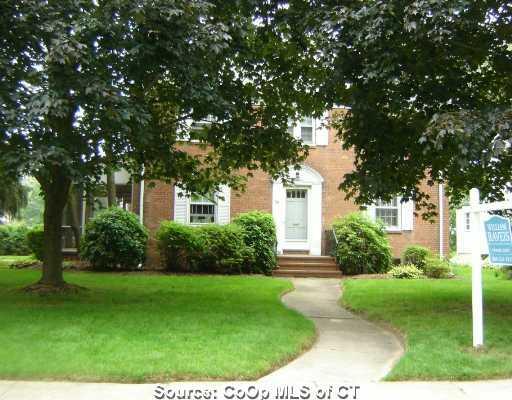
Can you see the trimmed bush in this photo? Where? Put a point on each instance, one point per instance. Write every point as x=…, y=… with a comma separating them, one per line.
x=416, y=255
x=180, y=246
x=406, y=271
x=259, y=233
x=215, y=249
x=363, y=247
x=35, y=239
x=224, y=250
x=13, y=240
x=114, y=239
x=437, y=268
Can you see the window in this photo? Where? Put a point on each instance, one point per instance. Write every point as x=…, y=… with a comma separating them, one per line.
x=296, y=194
x=202, y=209
x=388, y=212
x=467, y=221
x=306, y=130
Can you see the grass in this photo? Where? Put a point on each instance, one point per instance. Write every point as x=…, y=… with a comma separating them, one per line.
x=6, y=261
x=147, y=328
x=435, y=317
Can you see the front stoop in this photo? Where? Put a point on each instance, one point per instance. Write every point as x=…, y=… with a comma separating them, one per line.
x=307, y=266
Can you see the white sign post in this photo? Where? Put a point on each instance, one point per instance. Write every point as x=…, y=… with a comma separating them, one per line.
x=500, y=248
x=476, y=270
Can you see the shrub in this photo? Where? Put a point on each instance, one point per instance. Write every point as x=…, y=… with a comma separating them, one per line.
x=416, y=255
x=259, y=233
x=210, y=248
x=35, y=239
x=406, y=271
x=437, y=268
x=13, y=240
x=180, y=246
x=224, y=250
x=362, y=245
x=114, y=238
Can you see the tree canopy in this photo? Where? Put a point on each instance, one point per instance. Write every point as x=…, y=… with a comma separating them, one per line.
x=428, y=84
x=90, y=84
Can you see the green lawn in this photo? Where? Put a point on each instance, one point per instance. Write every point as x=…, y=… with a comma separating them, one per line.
x=135, y=328
x=435, y=317
x=6, y=261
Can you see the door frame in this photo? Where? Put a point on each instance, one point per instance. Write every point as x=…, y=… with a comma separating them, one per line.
x=305, y=178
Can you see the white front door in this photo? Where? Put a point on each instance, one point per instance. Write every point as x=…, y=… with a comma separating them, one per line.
x=296, y=214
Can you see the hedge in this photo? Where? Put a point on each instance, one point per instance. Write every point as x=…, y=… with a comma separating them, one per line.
x=114, y=239
x=245, y=246
x=259, y=233
x=416, y=255
x=363, y=247
x=13, y=240
x=35, y=239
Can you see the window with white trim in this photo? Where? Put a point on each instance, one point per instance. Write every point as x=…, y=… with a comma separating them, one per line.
x=202, y=209
x=467, y=221
x=304, y=130
x=388, y=212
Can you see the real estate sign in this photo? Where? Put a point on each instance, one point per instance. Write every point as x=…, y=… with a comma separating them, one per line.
x=499, y=240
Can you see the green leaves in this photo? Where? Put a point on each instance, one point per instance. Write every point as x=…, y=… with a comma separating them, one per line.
x=82, y=79
x=114, y=239
x=429, y=95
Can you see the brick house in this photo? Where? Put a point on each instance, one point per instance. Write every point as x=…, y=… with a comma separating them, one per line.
x=304, y=211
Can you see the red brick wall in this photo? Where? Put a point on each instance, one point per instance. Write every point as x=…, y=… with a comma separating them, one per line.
x=158, y=207
x=329, y=161
x=257, y=196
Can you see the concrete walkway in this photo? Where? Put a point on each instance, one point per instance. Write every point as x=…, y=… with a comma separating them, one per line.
x=348, y=348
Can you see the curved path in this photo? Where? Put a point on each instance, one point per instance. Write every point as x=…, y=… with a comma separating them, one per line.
x=348, y=348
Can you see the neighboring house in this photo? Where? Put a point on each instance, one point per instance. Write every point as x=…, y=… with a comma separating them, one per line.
x=303, y=211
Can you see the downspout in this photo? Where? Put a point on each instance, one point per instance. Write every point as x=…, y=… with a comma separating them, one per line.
x=441, y=221
x=141, y=202
x=84, y=205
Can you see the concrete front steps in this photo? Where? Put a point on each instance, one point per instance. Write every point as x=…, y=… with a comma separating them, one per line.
x=302, y=265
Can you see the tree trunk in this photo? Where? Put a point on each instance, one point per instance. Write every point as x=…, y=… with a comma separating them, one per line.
x=111, y=188
x=73, y=213
x=56, y=190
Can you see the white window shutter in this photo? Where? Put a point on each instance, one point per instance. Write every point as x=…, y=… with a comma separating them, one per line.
x=180, y=205
x=224, y=205
x=296, y=130
x=407, y=215
x=322, y=130
x=369, y=212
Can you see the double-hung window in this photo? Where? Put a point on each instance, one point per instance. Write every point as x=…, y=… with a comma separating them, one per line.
x=303, y=129
x=306, y=130
x=202, y=209
x=388, y=212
